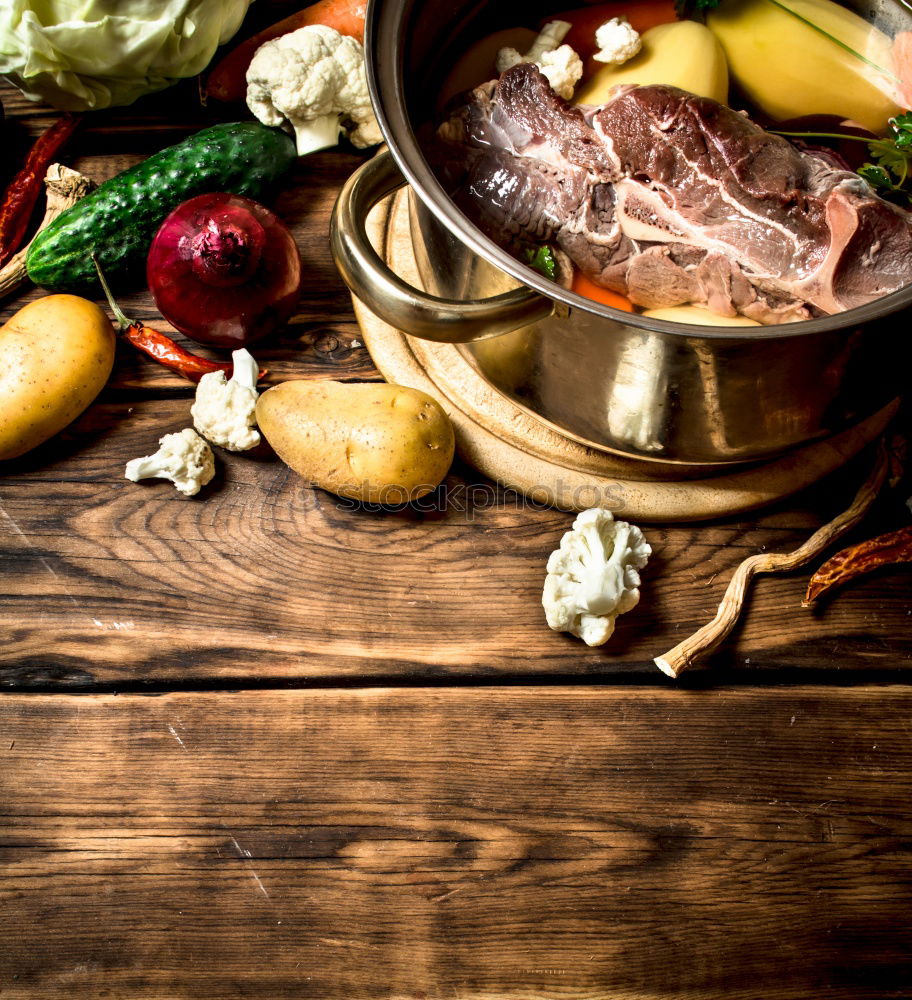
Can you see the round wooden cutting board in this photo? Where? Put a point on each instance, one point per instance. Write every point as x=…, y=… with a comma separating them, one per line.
x=519, y=452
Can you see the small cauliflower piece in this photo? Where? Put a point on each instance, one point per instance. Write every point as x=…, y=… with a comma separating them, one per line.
x=314, y=79
x=224, y=411
x=617, y=40
x=559, y=63
x=593, y=577
x=183, y=457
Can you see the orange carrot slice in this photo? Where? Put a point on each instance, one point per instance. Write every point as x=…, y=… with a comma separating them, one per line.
x=642, y=15
x=902, y=65
x=583, y=286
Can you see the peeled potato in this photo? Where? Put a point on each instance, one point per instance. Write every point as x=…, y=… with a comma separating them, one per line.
x=372, y=442
x=698, y=316
x=56, y=354
x=684, y=54
x=790, y=69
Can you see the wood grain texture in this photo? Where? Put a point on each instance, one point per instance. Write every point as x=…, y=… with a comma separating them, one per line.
x=318, y=343
x=103, y=580
x=509, y=843
x=626, y=842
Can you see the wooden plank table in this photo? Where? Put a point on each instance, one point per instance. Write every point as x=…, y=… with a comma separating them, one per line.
x=256, y=743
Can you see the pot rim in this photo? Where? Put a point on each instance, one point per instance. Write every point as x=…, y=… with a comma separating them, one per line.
x=383, y=37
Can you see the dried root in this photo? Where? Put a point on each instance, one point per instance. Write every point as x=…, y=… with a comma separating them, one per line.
x=64, y=188
x=706, y=639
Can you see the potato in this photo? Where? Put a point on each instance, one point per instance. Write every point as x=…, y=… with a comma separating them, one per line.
x=56, y=354
x=373, y=442
x=684, y=54
x=698, y=316
x=790, y=70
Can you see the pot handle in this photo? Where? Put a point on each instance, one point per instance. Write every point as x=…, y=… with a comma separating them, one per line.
x=450, y=321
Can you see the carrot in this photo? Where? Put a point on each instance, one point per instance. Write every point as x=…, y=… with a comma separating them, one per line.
x=227, y=81
x=583, y=286
x=642, y=15
x=477, y=64
x=902, y=65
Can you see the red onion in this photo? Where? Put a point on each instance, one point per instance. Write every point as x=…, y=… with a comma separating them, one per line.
x=224, y=270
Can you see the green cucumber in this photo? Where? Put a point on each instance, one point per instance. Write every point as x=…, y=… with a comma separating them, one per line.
x=117, y=221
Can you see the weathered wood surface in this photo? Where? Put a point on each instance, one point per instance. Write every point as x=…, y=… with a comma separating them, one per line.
x=317, y=344
x=104, y=581
x=623, y=842
x=502, y=843
x=262, y=576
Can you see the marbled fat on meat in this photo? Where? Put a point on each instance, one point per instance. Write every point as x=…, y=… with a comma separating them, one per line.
x=670, y=199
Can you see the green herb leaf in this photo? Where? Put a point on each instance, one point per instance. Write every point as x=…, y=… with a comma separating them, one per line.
x=892, y=156
x=542, y=259
x=901, y=130
x=876, y=176
x=687, y=8
x=887, y=155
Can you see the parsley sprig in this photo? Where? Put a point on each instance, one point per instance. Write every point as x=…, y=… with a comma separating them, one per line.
x=891, y=166
x=543, y=260
x=687, y=8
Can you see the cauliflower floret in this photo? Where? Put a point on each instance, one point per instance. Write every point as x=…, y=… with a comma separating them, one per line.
x=183, y=457
x=559, y=63
x=617, y=40
x=593, y=577
x=314, y=79
x=225, y=410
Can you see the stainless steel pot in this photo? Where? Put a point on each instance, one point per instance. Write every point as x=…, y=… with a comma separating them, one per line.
x=645, y=388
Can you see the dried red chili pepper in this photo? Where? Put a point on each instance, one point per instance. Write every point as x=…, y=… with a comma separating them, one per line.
x=161, y=347
x=164, y=350
x=885, y=550
x=25, y=187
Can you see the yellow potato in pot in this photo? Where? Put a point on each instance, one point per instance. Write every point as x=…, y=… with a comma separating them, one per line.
x=683, y=54
x=373, y=442
x=56, y=354
x=698, y=316
x=790, y=68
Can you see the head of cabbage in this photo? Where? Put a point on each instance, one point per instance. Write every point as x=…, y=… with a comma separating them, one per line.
x=82, y=54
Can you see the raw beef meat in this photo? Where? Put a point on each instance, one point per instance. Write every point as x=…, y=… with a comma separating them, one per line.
x=670, y=198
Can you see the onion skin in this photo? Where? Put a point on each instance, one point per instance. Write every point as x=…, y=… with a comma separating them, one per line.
x=224, y=270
